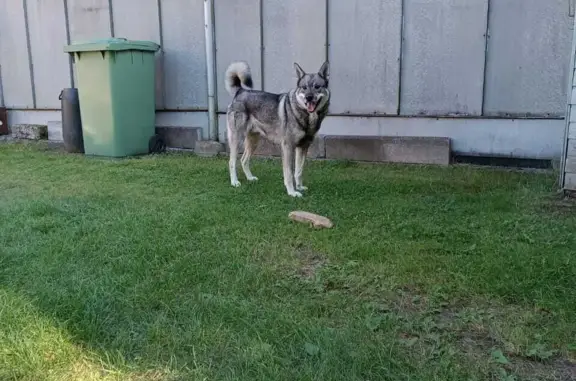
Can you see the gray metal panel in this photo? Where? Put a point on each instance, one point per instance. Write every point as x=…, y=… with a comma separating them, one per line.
x=443, y=57
x=237, y=38
x=47, y=25
x=365, y=38
x=136, y=23
x=294, y=31
x=14, y=62
x=88, y=19
x=528, y=57
x=184, y=54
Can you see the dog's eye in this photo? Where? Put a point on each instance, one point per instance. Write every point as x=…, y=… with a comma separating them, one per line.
x=316, y=87
x=304, y=87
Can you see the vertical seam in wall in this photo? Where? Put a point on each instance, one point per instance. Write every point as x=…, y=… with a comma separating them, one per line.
x=400, y=57
x=486, y=38
x=68, y=40
x=327, y=43
x=215, y=64
x=261, y=5
x=2, y=104
x=30, y=63
x=111, y=14
x=569, y=89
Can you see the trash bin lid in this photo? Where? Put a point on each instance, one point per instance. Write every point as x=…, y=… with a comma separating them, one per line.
x=111, y=44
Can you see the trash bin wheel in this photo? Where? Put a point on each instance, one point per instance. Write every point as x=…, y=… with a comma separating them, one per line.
x=157, y=144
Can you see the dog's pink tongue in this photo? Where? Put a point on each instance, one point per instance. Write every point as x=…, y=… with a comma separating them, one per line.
x=311, y=107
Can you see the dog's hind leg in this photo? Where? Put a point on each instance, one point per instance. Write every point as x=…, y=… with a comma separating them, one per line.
x=250, y=145
x=301, y=153
x=233, y=141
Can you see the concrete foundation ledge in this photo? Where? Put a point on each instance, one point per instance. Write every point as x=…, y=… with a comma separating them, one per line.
x=393, y=149
x=268, y=149
x=208, y=148
x=570, y=182
x=180, y=137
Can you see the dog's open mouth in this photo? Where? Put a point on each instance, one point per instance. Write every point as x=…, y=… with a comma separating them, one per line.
x=311, y=106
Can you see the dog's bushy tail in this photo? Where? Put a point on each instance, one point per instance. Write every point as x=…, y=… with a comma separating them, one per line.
x=238, y=75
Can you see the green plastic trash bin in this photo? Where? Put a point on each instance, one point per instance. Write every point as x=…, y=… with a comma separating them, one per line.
x=116, y=90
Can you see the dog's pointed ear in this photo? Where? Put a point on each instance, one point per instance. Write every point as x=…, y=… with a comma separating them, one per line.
x=324, y=71
x=299, y=72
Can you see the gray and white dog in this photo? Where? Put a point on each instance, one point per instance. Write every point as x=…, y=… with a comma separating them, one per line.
x=290, y=120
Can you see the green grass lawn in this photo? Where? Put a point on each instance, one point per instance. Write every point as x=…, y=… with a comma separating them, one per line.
x=155, y=268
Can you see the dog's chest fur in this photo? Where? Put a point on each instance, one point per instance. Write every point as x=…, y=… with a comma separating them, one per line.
x=309, y=127
x=309, y=124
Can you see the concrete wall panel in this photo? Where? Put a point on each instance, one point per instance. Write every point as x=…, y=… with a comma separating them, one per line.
x=14, y=62
x=89, y=19
x=237, y=38
x=51, y=66
x=184, y=54
x=365, y=55
x=443, y=57
x=294, y=31
x=528, y=57
x=136, y=23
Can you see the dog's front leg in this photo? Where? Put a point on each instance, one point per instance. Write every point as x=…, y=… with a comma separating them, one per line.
x=299, y=167
x=287, y=165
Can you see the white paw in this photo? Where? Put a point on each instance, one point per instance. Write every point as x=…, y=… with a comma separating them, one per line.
x=295, y=194
x=235, y=183
x=301, y=187
x=252, y=178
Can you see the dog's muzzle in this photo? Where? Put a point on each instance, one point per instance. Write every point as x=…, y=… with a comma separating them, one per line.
x=310, y=103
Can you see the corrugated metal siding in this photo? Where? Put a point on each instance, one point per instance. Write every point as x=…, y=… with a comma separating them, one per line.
x=528, y=57
x=441, y=44
x=294, y=31
x=365, y=55
x=443, y=57
x=14, y=62
x=185, y=54
x=237, y=38
x=47, y=26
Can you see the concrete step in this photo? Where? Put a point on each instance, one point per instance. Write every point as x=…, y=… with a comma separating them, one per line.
x=392, y=149
x=30, y=131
